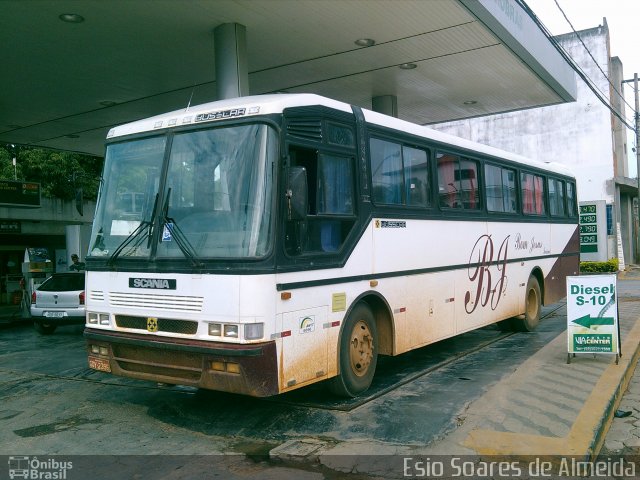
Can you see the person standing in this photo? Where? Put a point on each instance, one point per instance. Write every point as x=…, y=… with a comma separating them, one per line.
x=77, y=265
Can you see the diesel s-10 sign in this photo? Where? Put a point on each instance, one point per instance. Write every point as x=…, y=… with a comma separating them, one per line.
x=156, y=283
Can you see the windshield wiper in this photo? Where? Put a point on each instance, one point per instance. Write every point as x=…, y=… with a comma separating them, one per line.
x=145, y=225
x=178, y=235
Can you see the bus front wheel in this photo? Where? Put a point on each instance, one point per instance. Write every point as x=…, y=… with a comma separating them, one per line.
x=358, y=353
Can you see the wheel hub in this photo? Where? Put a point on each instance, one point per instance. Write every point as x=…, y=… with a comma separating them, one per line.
x=361, y=351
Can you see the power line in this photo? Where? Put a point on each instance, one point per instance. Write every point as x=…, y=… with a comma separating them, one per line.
x=590, y=54
x=585, y=78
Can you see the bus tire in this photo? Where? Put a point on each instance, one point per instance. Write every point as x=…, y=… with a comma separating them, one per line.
x=44, y=328
x=532, y=308
x=358, y=353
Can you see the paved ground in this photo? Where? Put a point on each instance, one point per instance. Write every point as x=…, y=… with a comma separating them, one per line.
x=623, y=436
x=542, y=407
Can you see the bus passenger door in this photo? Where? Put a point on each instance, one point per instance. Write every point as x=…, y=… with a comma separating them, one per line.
x=304, y=351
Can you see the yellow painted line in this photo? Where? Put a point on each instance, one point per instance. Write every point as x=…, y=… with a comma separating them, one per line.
x=587, y=433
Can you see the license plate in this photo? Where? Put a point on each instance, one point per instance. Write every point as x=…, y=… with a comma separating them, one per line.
x=53, y=314
x=101, y=364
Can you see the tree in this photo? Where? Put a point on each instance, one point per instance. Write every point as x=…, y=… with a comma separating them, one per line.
x=60, y=174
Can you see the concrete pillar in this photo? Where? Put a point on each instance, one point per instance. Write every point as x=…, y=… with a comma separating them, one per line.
x=387, y=104
x=232, y=75
x=77, y=241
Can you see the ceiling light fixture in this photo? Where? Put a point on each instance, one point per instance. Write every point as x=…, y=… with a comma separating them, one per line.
x=108, y=103
x=469, y=102
x=408, y=66
x=365, y=42
x=71, y=18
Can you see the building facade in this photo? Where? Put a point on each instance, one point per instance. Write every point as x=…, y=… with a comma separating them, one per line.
x=584, y=135
x=56, y=227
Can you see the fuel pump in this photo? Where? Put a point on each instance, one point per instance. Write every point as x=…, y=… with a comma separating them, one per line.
x=36, y=268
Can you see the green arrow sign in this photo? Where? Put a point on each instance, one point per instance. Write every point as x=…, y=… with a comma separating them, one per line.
x=588, y=321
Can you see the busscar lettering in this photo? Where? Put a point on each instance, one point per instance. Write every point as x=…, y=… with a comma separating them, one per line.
x=156, y=283
x=236, y=112
x=482, y=257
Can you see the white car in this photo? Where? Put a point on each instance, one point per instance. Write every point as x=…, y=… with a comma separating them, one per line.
x=59, y=300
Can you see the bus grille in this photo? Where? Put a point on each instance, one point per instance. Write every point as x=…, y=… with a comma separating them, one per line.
x=96, y=295
x=185, y=366
x=170, y=325
x=158, y=302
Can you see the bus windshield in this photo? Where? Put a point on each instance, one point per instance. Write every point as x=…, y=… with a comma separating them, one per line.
x=214, y=201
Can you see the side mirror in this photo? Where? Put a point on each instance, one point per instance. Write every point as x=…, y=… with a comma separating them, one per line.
x=297, y=194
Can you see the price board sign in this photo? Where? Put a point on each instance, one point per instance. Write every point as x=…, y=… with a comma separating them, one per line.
x=19, y=194
x=588, y=228
x=592, y=315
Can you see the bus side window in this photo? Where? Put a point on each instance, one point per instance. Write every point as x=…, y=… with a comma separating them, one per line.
x=331, y=213
x=532, y=194
x=571, y=199
x=458, y=182
x=500, y=186
x=386, y=172
x=416, y=173
x=556, y=197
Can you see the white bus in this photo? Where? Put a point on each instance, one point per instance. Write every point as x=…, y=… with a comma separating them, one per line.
x=282, y=240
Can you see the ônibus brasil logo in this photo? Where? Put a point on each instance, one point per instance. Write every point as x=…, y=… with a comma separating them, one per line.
x=35, y=468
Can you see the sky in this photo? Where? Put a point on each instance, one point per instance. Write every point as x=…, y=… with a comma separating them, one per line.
x=622, y=18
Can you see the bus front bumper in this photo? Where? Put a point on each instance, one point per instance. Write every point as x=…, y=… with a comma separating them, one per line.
x=249, y=369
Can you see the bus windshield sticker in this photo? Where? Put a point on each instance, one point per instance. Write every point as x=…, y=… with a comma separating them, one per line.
x=166, y=232
x=124, y=227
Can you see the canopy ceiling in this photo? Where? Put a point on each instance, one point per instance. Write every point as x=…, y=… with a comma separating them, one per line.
x=65, y=84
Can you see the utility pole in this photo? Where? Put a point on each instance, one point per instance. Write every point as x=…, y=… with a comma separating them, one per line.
x=15, y=167
x=636, y=116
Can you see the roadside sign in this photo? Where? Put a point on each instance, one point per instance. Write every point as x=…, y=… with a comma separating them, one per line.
x=592, y=315
x=593, y=231
x=588, y=228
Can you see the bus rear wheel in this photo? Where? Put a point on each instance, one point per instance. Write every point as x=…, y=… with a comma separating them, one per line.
x=532, y=308
x=358, y=353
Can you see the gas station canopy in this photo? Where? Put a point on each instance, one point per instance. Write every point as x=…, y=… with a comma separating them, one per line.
x=72, y=70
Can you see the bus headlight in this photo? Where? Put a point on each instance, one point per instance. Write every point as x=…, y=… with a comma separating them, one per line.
x=99, y=350
x=95, y=318
x=215, y=329
x=231, y=330
x=253, y=331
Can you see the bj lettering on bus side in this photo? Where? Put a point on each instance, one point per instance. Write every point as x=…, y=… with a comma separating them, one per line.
x=488, y=290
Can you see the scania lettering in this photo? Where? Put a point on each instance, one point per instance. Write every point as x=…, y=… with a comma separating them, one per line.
x=152, y=283
x=282, y=240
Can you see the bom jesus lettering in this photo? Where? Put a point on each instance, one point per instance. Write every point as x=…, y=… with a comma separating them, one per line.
x=488, y=287
x=529, y=245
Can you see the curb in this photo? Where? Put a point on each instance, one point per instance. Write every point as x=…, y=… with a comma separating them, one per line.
x=587, y=434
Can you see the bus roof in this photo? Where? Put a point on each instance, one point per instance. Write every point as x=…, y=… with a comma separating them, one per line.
x=243, y=107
